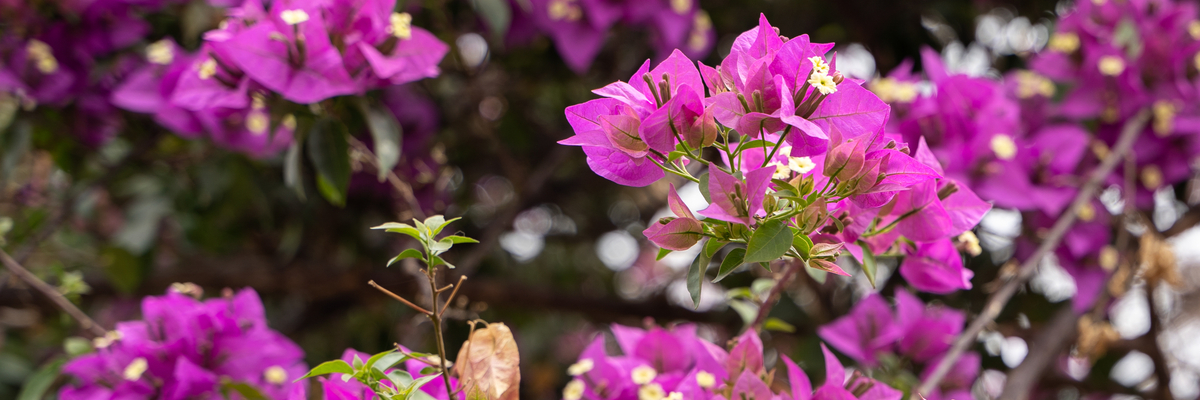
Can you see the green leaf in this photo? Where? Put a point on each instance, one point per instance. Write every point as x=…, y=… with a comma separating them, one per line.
x=375, y=358
x=385, y=135
x=747, y=310
x=776, y=324
x=704, y=187
x=662, y=253
x=330, y=155
x=826, y=250
x=408, y=253
x=868, y=262
x=456, y=239
x=390, y=360
x=329, y=367
x=436, y=261
x=712, y=247
x=292, y=167
x=437, y=222
x=801, y=242
x=769, y=242
x=76, y=346
x=695, y=276
x=429, y=370
x=248, y=392
x=416, y=384
x=440, y=246
x=37, y=384
x=397, y=227
x=730, y=263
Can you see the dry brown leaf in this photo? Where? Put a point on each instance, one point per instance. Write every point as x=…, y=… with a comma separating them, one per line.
x=489, y=364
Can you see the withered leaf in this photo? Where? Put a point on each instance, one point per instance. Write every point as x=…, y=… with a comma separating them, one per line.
x=488, y=364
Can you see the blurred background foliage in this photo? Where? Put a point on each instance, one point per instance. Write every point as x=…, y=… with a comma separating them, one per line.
x=561, y=254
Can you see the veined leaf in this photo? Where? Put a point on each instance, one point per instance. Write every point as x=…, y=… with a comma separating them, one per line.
x=408, y=253
x=868, y=262
x=730, y=263
x=769, y=242
x=329, y=367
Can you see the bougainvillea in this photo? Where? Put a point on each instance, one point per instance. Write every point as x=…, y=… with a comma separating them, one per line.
x=187, y=348
x=807, y=166
x=659, y=364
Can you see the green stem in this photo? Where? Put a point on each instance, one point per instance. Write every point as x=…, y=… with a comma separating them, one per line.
x=777, y=145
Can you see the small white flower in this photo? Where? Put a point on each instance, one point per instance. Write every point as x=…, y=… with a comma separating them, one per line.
x=1064, y=42
x=293, y=17
x=681, y=6
x=1111, y=65
x=581, y=367
x=574, y=390
x=401, y=25
x=42, y=56
x=643, y=375
x=1004, y=147
x=275, y=375
x=819, y=65
x=652, y=391
x=208, y=68
x=824, y=83
x=675, y=396
x=705, y=379
x=257, y=123
x=135, y=369
x=801, y=165
x=107, y=340
x=161, y=52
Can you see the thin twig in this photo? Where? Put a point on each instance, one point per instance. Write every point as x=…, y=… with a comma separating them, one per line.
x=398, y=298
x=403, y=188
x=1045, y=349
x=436, y=318
x=450, y=299
x=775, y=293
x=996, y=302
x=1162, y=372
x=49, y=291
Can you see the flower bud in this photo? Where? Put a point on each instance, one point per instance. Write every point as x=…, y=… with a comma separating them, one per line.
x=868, y=178
x=844, y=162
x=703, y=132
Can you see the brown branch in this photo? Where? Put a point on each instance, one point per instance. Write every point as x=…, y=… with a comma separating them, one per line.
x=1188, y=220
x=1049, y=343
x=399, y=298
x=1162, y=372
x=51, y=293
x=997, y=301
x=450, y=299
x=776, y=292
x=401, y=187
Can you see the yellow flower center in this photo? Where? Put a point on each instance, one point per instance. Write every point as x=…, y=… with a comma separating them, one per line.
x=1152, y=177
x=1164, y=117
x=135, y=369
x=819, y=65
x=1087, y=213
x=970, y=242
x=643, y=375
x=564, y=10
x=1109, y=258
x=160, y=52
x=1004, y=147
x=401, y=25
x=574, y=390
x=681, y=6
x=275, y=375
x=1064, y=42
x=652, y=391
x=208, y=68
x=1031, y=84
x=293, y=17
x=42, y=56
x=823, y=83
x=705, y=379
x=581, y=367
x=257, y=122
x=1111, y=65
x=1194, y=29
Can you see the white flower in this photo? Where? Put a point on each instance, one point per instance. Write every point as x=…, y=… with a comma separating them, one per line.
x=801, y=165
x=705, y=379
x=643, y=375
x=823, y=82
x=293, y=17
x=652, y=391
x=1004, y=147
x=574, y=390
x=581, y=367
x=135, y=369
x=161, y=52
x=1111, y=65
x=275, y=375
x=401, y=25
x=208, y=68
x=819, y=65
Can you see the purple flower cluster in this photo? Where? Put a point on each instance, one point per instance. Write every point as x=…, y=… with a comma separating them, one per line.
x=579, y=27
x=918, y=333
x=299, y=51
x=676, y=364
x=1026, y=143
x=809, y=149
x=337, y=389
x=184, y=348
